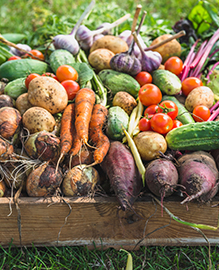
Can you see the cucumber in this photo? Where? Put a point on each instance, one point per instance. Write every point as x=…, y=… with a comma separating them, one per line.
x=15, y=69
x=183, y=115
x=117, y=81
x=117, y=119
x=60, y=57
x=15, y=88
x=166, y=81
x=194, y=137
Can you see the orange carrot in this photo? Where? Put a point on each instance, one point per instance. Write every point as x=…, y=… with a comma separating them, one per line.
x=96, y=135
x=66, y=129
x=84, y=103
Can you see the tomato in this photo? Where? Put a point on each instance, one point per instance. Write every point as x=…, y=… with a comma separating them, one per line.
x=143, y=77
x=144, y=124
x=168, y=107
x=66, y=72
x=71, y=88
x=30, y=77
x=149, y=94
x=161, y=123
x=189, y=84
x=176, y=123
x=35, y=53
x=48, y=74
x=201, y=113
x=152, y=109
x=15, y=57
x=174, y=64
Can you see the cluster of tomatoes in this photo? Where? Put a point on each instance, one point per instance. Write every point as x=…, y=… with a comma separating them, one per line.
x=160, y=116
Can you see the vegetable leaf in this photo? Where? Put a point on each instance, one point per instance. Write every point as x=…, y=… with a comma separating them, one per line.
x=85, y=73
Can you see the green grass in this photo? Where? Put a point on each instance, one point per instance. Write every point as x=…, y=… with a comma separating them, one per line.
x=25, y=16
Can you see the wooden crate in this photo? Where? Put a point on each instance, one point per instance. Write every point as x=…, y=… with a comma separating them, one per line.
x=98, y=222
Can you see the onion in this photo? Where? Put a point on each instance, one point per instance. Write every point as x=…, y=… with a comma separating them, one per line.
x=10, y=119
x=18, y=52
x=43, y=181
x=6, y=101
x=6, y=150
x=2, y=188
x=43, y=145
x=80, y=181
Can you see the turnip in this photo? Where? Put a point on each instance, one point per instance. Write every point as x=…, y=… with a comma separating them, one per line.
x=125, y=179
x=198, y=174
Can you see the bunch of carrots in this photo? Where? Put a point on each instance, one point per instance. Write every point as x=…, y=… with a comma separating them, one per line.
x=82, y=122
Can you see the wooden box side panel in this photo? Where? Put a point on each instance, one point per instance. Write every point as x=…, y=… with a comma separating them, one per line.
x=98, y=220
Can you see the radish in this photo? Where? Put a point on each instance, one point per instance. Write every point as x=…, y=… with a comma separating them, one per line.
x=119, y=166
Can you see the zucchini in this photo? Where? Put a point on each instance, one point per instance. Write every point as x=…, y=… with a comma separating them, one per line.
x=197, y=136
x=183, y=115
x=15, y=69
x=117, y=120
x=60, y=57
x=15, y=88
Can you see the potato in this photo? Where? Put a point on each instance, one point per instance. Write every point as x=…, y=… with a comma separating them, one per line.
x=124, y=100
x=112, y=43
x=100, y=59
x=48, y=93
x=201, y=95
x=149, y=143
x=171, y=48
x=22, y=103
x=37, y=119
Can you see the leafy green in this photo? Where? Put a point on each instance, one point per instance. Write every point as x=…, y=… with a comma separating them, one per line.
x=85, y=73
x=204, y=16
x=213, y=83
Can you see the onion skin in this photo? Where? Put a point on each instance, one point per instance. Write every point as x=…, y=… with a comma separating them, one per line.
x=10, y=119
x=43, y=181
x=6, y=150
x=43, y=145
x=6, y=101
x=80, y=181
x=2, y=188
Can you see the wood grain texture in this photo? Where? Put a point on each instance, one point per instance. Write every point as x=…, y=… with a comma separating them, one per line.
x=99, y=221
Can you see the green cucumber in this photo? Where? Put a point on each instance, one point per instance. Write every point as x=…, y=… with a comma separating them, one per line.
x=117, y=119
x=15, y=69
x=166, y=81
x=194, y=137
x=117, y=81
x=15, y=88
x=60, y=57
x=183, y=115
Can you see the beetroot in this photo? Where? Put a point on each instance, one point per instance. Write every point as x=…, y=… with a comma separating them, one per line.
x=198, y=174
x=125, y=179
x=161, y=177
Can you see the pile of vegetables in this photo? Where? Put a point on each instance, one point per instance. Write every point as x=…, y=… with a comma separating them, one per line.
x=97, y=111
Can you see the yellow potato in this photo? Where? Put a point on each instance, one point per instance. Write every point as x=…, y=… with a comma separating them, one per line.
x=124, y=100
x=113, y=43
x=171, y=48
x=201, y=95
x=100, y=59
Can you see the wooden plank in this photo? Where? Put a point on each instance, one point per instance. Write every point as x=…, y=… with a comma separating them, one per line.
x=98, y=221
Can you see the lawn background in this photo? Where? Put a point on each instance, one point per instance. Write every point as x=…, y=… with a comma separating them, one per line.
x=23, y=17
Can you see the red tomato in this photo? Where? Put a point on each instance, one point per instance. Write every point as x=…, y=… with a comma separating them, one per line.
x=168, y=107
x=36, y=53
x=161, y=123
x=174, y=64
x=48, y=74
x=189, y=84
x=149, y=94
x=176, y=124
x=30, y=77
x=143, y=77
x=15, y=57
x=144, y=124
x=71, y=88
x=201, y=113
x=66, y=72
x=152, y=109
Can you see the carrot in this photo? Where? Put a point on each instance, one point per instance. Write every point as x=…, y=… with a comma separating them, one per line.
x=84, y=103
x=96, y=135
x=66, y=131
